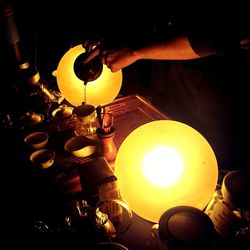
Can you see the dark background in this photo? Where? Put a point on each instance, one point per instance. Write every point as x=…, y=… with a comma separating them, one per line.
x=47, y=29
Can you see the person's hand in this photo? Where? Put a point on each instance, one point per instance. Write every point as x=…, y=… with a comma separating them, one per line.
x=92, y=48
x=89, y=45
x=116, y=59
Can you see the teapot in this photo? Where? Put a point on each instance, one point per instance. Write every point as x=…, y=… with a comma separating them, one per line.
x=87, y=72
x=73, y=74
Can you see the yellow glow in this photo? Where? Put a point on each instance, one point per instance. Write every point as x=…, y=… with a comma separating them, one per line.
x=162, y=165
x=100, y=91
x=192, y=184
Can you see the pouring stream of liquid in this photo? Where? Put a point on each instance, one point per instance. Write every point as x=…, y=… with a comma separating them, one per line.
x=85, y=92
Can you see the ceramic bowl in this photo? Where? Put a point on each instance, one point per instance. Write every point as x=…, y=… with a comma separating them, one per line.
x=37, y=140
x=44, y=158
x=81, y=146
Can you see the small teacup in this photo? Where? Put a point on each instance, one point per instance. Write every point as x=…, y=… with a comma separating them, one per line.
x=44, y=158
x=37, y=140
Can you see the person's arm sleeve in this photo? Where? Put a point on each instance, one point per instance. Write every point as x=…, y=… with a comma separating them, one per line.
x=213, y=44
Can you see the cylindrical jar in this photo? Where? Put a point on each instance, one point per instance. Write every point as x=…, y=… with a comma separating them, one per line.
x=108, y=147
x=229, y=207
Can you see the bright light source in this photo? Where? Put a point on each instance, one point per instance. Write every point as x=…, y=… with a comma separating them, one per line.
x=100, y=91
x=163, y=164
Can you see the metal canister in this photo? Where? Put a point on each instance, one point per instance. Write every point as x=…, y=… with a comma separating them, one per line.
x=229, y=208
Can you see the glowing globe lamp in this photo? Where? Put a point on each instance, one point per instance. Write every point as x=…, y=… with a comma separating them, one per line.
x=100, y=91
x=163, y=164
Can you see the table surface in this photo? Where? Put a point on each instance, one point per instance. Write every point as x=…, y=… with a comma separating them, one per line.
x=35, y=196
x=129, y=113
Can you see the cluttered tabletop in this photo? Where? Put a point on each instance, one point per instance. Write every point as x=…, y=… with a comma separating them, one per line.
x=65, y=180
x=53, y=189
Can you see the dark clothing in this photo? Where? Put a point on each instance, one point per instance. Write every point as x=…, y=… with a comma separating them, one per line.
x=212, y=99
x=210, y=93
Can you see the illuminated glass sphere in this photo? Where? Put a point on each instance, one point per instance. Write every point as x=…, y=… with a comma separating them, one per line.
x=100, y=91
x=163, y=164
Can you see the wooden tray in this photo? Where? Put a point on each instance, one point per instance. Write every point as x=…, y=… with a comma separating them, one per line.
x=129, y=113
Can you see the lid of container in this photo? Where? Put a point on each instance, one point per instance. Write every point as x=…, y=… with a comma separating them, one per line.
x=62, y=111
x=31, y=118
x=186, y=227
x=236, y=188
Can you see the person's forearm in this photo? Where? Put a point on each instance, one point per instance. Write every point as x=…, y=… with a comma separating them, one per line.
x=175, y=49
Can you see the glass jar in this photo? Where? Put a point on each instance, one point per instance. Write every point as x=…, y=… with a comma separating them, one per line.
x=229, y=207
x=85, y=120
x=95, y=222
x=182, y=227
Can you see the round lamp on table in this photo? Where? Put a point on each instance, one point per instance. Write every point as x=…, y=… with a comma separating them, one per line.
x=163, y=164
x=99, y=91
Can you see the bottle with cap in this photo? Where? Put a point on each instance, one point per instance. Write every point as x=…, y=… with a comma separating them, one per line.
x=229, y=208
x=182, y=227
